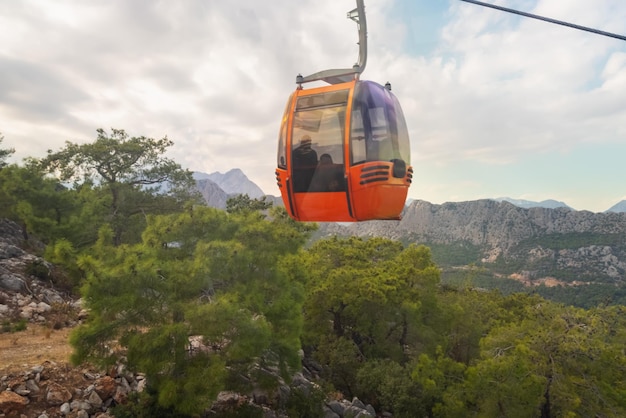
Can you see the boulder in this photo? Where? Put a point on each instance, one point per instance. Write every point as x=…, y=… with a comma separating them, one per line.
x=11, y=282
x=12, y=404
x=57, y=395
x=105, y=387
x=95, y=400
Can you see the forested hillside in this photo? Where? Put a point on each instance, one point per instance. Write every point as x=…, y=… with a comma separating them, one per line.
x=202, y=301
x=576, y=257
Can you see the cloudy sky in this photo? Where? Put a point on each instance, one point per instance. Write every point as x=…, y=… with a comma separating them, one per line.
x=497, y=105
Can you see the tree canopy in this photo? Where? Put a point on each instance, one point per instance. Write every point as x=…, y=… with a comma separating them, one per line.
x=117, y=158
x=134, y=174
x=4, y=153
x=41, y=205
x=202, y=304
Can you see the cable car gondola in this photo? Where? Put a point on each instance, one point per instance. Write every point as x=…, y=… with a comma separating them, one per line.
x=343, y=149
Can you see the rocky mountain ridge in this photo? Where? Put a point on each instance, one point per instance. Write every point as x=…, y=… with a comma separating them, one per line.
x=523, y=203
x=489, y=223
x=235, y=182
x=541, y=242
x=618, y=207
x=217, y=187
x=576, y=245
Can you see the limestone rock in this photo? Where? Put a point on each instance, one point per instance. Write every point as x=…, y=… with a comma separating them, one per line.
x=94, y=400
x=561, y=237
x=12, y=404
x=57, y=395
x=105, y=387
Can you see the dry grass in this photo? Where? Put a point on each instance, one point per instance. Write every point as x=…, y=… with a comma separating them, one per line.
x=37, y=344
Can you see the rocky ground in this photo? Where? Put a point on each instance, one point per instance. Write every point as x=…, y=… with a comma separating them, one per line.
x=58, y=390
x=36, y=318
x=36, y=378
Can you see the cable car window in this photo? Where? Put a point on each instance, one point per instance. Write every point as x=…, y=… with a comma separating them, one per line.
x=282, y=136
x=317, y=144
x=378, y=130
x=357, y=147
x=334, y=98
x=380, y=146
x=282, y=150
x=402, y=133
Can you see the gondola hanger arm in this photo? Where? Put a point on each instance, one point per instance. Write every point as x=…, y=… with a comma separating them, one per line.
x=342, y=75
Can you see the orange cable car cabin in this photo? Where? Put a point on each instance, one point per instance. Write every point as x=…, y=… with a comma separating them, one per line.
x=343, y=149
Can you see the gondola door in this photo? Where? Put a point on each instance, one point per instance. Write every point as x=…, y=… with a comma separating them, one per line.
x=315, y=154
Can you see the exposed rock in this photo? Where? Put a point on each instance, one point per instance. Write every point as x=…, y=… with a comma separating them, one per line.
x=82, y=405
x=67, y=391
x=92, y=395
x=330, y=414
x=10, y=251
x=57, y=395
x=357, y=403
x=228, y=402
x=51, y=297
x=95, y=400
x=12, y=282
x=32, y=387
x=235, y=182
x=82, y=414
x=212, y=194
x=105, y=387
x=121, y=394
x=141, y=386
x=21, y=294
x=337, y=407
x=12, y=404
x=484, y=222
x=552, y=240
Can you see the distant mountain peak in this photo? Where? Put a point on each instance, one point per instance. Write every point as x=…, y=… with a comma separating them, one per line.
x=233, y=182
x=522, y=203
x=618, y=207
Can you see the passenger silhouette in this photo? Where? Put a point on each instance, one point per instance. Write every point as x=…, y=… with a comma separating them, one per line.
x=304, y=155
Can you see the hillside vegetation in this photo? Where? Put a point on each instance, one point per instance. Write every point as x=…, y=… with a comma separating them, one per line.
x=203, y=301
x=576, y=257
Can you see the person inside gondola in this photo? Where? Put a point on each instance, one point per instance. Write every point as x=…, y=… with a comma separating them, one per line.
x=304, y=164
x=304, y=155
x=328, y=176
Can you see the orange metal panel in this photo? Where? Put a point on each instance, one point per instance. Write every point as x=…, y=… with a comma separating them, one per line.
x=323, y=207
x=375, y=193
x=283, y=185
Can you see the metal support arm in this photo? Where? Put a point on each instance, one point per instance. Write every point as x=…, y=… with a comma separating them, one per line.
x=335, y=76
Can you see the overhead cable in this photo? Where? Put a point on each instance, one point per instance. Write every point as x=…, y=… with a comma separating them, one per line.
x=547, y=19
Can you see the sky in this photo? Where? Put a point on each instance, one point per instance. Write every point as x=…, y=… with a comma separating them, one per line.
x=497, y=105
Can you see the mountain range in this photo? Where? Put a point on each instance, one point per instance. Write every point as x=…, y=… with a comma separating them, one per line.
x=232, y=182
x=537, y=243
x=216, y=187
x=533, y=243
x=550, y=203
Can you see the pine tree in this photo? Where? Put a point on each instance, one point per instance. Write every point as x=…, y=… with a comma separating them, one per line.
x=204, y=303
